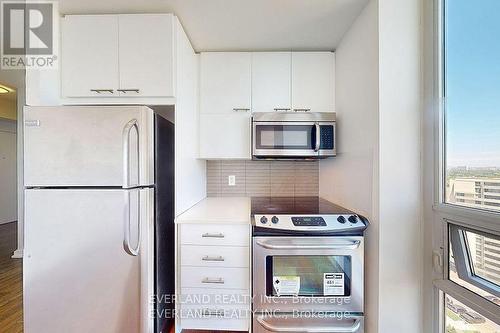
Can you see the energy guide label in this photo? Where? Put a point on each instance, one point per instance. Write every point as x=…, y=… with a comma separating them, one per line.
x=333, y=284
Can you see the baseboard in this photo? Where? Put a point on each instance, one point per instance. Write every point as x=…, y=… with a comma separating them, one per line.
x=18, y=254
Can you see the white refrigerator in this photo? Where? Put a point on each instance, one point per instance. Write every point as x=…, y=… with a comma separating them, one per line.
x=99, y=210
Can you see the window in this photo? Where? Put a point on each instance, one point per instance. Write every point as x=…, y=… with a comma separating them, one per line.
x=476, y=262
x=472, y=99
x=469, y=165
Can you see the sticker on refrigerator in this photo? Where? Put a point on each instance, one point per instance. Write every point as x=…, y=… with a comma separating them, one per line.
x=333, y=284
x=286, y=285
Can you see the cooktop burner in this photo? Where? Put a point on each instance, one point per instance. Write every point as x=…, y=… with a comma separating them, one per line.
x=303, y=216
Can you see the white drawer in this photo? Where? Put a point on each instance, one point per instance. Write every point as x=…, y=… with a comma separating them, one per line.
x=217, y=309
x=221, y=320
x=215, y=277
x=202, y=297
x=215, y=256
x=215, y=234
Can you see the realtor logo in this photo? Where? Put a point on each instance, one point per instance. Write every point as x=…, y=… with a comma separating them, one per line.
x=28, y=34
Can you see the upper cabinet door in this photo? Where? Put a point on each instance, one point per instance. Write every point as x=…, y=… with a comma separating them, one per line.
x=313, y=81
x=225, y=82
x=271, y=81
x=89, y=55
x=146, y=55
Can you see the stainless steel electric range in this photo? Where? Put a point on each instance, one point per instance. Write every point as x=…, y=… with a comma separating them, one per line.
x=308, y=266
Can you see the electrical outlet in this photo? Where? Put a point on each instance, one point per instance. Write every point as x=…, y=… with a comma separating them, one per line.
x=231, y=180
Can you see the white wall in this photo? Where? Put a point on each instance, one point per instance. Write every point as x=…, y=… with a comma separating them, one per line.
x=16, y=79
x=401, y=232
x=349, y=179
x=378, y=169
x=190, y=172
x=8, y=172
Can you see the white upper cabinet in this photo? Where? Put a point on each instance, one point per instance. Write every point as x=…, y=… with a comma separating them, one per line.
x=225, y=105
x=89, y=55
x=118, y=56
x=146, y=55
x=271, y=81
x=225, y=136
x=225, y=82
x=313, y=81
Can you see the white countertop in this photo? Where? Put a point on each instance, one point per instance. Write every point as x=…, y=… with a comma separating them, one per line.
x=225, y=210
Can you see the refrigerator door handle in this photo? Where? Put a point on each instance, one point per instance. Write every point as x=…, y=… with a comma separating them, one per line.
x=126, y=242
x=126, y=152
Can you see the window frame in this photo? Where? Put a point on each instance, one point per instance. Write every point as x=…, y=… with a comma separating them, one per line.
x=448, y=217
x=463, y=261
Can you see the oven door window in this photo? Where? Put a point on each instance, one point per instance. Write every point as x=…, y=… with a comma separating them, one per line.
x=308, y=276
x=285, y=137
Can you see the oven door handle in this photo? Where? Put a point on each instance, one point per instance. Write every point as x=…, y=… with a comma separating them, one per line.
x=351, y=245
x=304, y=329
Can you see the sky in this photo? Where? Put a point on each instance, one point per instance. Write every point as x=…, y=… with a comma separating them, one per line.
x=472, y=81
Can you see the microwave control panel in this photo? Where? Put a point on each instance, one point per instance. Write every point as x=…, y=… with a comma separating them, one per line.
x=326, y=137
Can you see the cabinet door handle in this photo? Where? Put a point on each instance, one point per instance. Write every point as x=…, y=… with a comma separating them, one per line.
x=209, y=235
x=213, y=281
x=128, y=90
x=213, y=312
x=301, y=110
x=241, y=109
x=208, y=258
x=111, y=91
x=281, y=109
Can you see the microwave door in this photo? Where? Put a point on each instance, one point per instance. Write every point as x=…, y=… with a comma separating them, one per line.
x=285, y=139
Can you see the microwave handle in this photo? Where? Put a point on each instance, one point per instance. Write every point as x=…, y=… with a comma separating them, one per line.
x=318, y=141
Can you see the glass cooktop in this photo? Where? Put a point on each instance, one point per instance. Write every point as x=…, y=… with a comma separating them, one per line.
x=295, y=206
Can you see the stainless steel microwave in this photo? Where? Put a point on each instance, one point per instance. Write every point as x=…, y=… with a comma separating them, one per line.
x=293, y=135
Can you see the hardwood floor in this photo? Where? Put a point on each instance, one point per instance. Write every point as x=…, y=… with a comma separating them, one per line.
x=11, y=282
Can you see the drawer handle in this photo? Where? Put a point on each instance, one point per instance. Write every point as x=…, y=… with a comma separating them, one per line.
x=208, y=258
x=215, y=281
x=209, y=235
x=128, y=90
x=102, y=90
x=213, y=312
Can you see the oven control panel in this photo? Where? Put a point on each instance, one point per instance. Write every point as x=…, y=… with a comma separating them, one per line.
x=312, y=223
x=308, y=221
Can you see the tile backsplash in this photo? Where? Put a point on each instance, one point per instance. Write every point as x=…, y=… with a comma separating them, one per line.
x=263, y=178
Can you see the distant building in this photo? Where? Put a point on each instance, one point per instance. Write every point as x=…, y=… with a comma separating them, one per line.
x=480, y=193
x=475, y=192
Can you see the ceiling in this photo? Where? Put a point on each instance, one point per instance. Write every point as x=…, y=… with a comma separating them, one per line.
x=236, y=25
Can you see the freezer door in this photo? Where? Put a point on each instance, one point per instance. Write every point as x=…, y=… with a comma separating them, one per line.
x=88, y=261
x=88, y=146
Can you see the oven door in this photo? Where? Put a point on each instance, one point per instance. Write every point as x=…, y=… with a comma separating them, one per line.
x=285, y=139
x=308, y=274
x=308, y=323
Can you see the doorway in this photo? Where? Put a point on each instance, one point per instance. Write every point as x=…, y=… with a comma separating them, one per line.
x=11, y=314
